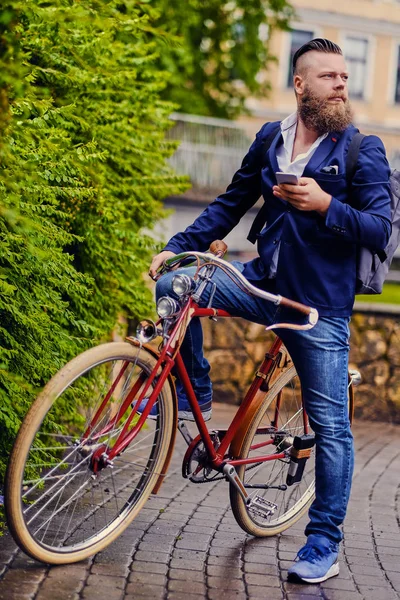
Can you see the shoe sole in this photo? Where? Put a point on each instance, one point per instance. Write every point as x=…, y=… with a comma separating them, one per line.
x=184, y=415
x=332, y=572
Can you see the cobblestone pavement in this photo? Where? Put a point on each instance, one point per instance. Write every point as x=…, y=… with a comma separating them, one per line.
x=185, y=544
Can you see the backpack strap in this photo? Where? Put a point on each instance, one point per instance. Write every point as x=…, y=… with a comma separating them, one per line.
x=351, y=165
x=260, y=219
x=352, y=156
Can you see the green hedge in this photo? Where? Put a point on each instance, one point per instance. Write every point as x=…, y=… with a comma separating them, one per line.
x=82, y=171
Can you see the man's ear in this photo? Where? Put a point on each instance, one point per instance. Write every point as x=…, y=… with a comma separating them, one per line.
x=298, y=84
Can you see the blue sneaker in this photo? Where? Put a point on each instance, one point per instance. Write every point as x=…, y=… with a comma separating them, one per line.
x=184, y=410
x=316, y=561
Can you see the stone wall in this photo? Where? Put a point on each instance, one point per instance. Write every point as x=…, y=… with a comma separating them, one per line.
x=235, y=348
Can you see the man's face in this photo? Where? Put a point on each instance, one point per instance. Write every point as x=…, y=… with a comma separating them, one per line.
x=321, y=90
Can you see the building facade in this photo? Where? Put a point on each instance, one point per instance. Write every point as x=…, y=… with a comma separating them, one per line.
x=368, y=31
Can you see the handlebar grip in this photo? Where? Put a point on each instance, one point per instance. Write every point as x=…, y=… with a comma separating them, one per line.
x=302, y=308
x=219, y=248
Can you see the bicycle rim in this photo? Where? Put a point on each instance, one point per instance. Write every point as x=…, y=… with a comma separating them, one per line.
x=58, y=509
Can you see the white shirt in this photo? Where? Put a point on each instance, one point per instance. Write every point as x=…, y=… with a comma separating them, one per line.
x=286, y=165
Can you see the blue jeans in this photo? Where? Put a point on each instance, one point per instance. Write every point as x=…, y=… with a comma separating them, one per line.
x=320, y=356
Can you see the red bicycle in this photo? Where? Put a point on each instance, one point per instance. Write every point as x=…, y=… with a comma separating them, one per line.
x=85, y=460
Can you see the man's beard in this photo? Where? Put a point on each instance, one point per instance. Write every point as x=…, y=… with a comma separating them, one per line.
x=319, y=116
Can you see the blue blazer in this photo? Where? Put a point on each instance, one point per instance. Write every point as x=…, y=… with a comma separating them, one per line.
x=317, y=257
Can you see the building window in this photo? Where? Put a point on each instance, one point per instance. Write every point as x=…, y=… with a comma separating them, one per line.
x=297, y=39
x=397, y=90
x=356, y=55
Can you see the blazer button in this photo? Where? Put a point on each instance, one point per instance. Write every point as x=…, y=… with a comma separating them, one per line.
x=275, y=242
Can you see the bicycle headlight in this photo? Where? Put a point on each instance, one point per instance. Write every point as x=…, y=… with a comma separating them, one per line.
x=182, y=284
x=167, y=307
x=146, y=331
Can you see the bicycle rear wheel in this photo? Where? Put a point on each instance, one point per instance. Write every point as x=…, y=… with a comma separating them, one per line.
x=278, y=419
x=59, y=510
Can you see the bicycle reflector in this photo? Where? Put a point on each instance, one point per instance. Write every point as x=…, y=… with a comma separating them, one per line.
x=167, y=307
x=182, y=284
x=146, y=331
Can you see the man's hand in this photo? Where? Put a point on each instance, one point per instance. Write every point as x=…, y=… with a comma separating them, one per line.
x=158, y=261
x=306, y=196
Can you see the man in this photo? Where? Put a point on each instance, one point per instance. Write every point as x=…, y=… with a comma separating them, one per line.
x=307, y=252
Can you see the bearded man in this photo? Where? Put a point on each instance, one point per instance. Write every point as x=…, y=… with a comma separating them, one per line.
x=307, y=237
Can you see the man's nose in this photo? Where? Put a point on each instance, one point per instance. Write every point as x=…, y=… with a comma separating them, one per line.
x=339, y=83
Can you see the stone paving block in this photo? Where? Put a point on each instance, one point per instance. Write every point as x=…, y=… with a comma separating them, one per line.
x=139, y=578
x=157, y=557
x=291, y=588
x=331, y=594
x=97, y=593
x=390, y=565
x=133, y=591
x=153, y=568
x=365, y=570
x=263, y=580
x=377, y=593
x=339, y=584
x=111, y=569
x=165, y=528
x=184, y=575
x=189, y=528
x=262, y=593
x=194, y=587
x=193, y=541
x=189, y=554
x=366, y=545
x=189, y=565
x=217, y=594
x=154, y=547
x=222, y=571
x=260, y=568
x=74, y=572
x=374, y=580
x=105, y=581
x=226, y=583
x=228, y=561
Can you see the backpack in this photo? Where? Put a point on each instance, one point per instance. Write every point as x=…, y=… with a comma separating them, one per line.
x=372, y=267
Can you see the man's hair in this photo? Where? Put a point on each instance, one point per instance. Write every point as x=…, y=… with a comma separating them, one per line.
x=318, y=44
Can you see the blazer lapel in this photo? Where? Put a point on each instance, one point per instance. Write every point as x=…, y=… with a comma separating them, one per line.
x=321, y=153
x=272, y=155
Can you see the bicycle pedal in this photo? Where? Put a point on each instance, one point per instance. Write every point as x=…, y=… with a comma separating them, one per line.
x=262, y=507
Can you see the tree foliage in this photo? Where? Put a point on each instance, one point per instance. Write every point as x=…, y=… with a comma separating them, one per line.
x=221, y=47
x=83, y=170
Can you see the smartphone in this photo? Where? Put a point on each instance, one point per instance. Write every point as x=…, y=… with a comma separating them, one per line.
x=286, y=178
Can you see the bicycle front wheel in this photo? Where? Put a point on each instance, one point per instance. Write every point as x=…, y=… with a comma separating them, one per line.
x=58, y=509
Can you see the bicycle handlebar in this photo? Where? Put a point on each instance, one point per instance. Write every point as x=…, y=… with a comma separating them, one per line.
x=312, y=313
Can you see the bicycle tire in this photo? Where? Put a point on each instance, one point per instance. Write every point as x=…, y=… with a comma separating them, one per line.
x=301, y=495
x=80, y=378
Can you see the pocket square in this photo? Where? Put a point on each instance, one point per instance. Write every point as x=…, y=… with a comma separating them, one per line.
x=330, y=170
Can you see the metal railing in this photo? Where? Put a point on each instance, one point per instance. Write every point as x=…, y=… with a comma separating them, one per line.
x=211, y=150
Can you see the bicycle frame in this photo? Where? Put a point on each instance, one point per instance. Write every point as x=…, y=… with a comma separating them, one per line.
x=170, y=357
